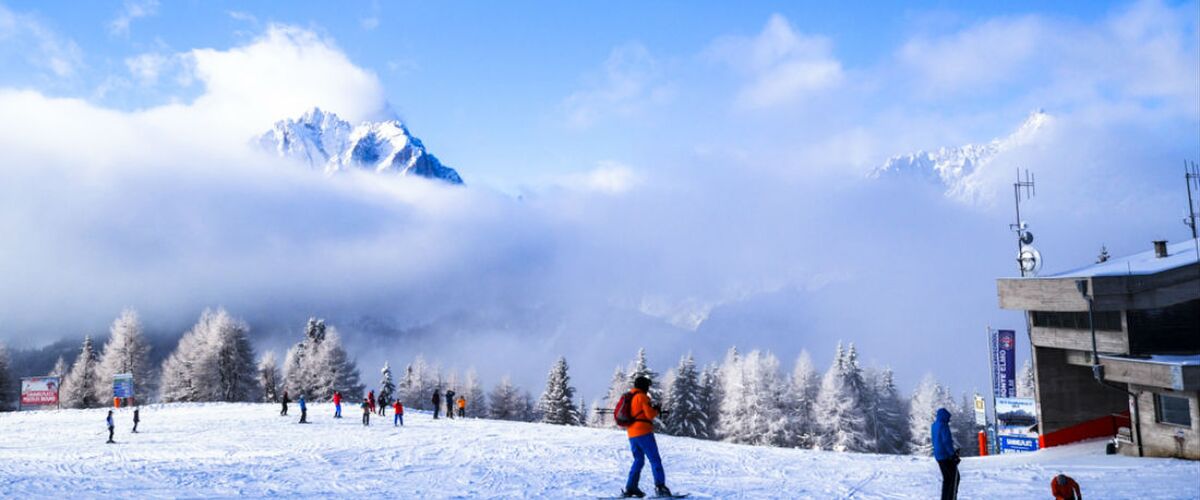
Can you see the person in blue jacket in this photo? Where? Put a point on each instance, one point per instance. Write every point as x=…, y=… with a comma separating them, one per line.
x=110, y=427
x=303, y=410
x=945, y=453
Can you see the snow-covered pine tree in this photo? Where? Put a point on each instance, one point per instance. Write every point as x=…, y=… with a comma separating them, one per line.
x=962, y=424
x=507, y=402
x=599, y=416
x=805, y=384
x=60, y=369
x=891, y=417
x=335, y=370
x=926, y=399
x=685, y=410
x=299, y=378
x=125, y=352
x=617, y=386
x=711, y=394
x=840, y=406
x=387, y=388
x=557, y=404
x=77, y=389
x=6, y=380
x=268, y=377
x=213, y=362
x=640, y=368
x=476, y=400
x=529, y=409
x=752, y=409
x=1026, y=383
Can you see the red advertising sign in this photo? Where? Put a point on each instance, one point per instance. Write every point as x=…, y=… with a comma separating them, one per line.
x=39, y=391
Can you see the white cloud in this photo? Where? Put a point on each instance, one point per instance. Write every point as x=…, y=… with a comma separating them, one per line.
x=630, y=83
x=131, y=11
x=40, y=46
x=242, y=16
x=781, y=64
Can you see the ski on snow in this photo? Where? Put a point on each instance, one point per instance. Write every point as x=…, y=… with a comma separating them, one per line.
x=620, y=497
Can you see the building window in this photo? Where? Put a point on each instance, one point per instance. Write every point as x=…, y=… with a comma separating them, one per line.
x=1172, y=410
x=1078, y=320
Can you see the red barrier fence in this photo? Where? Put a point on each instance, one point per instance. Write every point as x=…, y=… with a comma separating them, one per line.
x=1105, y=426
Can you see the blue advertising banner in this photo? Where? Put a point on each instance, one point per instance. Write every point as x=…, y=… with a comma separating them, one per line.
x=123, y=385
x=1004, y=345
x=1010, y=444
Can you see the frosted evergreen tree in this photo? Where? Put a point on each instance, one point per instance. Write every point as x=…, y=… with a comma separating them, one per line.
x=926, y=399
x=802, y=397
x=752, y=410
x=269, y=378
x=685, y=410
x=618, y=385
x=78, y=388
x=473, y=391
x=840, y=406
x=640, y=368
x=125, y=352
x=507, y=402
x=213, y=362
x=892, y=432
x=599, y=416
x=387, y=388
x=962, y=425
x=318, y=365
x=7, y=382
x=418, y=384
x=60, y=369
x=1026, y=382
x=557, y=404
x=711, y=394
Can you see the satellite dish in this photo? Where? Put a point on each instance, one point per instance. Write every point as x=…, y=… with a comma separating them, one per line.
x=1030, y=260
x=1026, y=238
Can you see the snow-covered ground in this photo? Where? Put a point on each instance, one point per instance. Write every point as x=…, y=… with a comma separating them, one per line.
x=223, y=450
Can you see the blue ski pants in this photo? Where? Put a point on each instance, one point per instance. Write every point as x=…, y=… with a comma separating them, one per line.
x=642, y=447
x=337, y=410
x=398, y=419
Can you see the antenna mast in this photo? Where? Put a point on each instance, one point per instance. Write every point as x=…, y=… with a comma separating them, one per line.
x=1191, y=175
x=1028, y=259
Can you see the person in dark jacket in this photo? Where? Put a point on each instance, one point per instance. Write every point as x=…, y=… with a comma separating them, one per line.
x=437, y=403
x=449, y=403
x=284, y=401
x=136, y=418
x=1065, y=488
x=945, y=453
x=366, y=408
x=303, y=410
x=383, y=404
x=110, y=427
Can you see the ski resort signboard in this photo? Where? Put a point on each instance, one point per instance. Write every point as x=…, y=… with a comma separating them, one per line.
x=1016, y=424
x=1004, y=345
x=39, y=392
x=123, y=385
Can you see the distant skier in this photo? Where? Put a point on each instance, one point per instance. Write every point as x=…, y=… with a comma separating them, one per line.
x=397, y=413
x=462, y=407
x=1065, y=488
x=437, y=403
x=636, y=413
x=366, y=408
x=110, y=427
x=383, y=404
x=303, y=410
x=337, y=404
x=371, y=400
x=284, y=401
x=449, y=403
x=945, y=453
x=136, y=418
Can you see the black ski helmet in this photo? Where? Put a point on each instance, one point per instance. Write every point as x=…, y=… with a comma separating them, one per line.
x=642, y=383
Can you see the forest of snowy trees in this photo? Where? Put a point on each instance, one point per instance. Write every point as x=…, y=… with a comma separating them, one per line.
x=748, y=397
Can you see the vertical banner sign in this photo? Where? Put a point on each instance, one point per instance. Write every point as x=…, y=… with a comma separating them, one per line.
x=980, y=411
x=39, y=391
x=1004, y=344
x=123, y=385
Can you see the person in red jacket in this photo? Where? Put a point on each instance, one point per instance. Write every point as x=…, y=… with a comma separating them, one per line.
x=397, y=413
x=371, y=400
x=642, y=443
x=337, y=404
x=1065, y=488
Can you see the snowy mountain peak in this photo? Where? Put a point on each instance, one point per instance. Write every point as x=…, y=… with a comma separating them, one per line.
x=324, y=141
x=952, y=166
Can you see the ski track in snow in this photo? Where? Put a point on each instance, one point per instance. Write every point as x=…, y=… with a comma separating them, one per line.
x=228, y=450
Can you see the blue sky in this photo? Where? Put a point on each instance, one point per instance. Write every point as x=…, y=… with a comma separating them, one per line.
x=680, y=175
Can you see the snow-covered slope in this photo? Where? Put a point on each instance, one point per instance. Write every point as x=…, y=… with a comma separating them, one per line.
x=226, y=450
x=954, y=166
x=323, y=141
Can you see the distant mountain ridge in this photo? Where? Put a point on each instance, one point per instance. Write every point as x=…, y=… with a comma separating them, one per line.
x=324, y=141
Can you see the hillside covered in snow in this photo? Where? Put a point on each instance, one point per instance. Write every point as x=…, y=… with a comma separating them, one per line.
x=324, y=141
x=225, y=450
